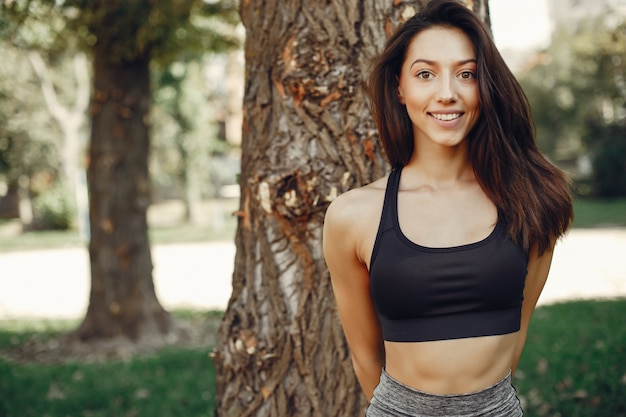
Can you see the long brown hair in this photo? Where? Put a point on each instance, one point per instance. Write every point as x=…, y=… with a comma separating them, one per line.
x=531, y=193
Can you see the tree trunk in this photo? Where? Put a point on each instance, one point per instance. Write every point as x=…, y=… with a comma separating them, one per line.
x=122, y=300
x=307, y=136
x=25, y=204
x=71, y=120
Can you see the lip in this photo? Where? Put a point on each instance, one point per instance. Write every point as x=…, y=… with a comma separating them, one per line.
x=447, y=123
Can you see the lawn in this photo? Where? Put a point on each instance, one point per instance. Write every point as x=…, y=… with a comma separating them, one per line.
x=175, y=381
x=600, y=213
x=574, y=365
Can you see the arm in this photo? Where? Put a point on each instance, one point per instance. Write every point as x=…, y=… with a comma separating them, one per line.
x=538, y=268
x=350, y=282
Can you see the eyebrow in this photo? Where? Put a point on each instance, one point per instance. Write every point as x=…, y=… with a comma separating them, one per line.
x=429, y=62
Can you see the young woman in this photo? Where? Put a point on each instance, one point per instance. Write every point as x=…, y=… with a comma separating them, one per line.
x=437, y=268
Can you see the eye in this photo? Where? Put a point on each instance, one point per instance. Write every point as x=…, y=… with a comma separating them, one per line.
x=424, y=75
x=467, y=75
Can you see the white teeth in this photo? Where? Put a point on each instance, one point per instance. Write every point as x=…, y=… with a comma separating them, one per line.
x=446, y=117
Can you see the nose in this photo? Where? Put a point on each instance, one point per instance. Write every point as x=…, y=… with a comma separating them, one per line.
x=446, y=92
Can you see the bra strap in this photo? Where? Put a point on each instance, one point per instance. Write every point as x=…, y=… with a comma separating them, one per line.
x=390, y=208
x=387, y=217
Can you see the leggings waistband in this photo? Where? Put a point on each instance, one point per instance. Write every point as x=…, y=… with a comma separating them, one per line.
x=392, y=398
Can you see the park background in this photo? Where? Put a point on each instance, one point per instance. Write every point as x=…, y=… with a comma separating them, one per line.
x=570, y=61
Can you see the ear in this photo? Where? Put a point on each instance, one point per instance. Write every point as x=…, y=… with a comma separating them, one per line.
x=399, y=91
x=400, y=96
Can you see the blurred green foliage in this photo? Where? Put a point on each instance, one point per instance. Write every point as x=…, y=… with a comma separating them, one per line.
x=577, y=89
x=184, y=34
x=55, y=208
x=163, y=31
x=28, y=135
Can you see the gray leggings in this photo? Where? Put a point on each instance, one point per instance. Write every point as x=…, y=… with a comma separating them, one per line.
x=394, y=399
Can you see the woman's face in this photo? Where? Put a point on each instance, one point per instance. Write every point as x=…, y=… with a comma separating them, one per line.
x=438, y=86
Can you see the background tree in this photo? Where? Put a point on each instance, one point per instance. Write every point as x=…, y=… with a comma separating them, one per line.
x=71, y=119
x=28, y=150
x=129, y=35
x=577, y=88
x=187, y=113
x=307, y=137
x=124, y=38
x=27, y=133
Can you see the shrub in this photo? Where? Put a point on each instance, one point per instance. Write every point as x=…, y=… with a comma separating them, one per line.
x=55, y=208
x=609, y=168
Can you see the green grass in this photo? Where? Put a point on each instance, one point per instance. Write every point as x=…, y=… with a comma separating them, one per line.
x=173, y=382
x=600, y=213
x=574, y=363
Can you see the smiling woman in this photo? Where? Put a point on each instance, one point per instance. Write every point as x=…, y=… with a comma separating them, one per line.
x=440, y=90
x=437, y=267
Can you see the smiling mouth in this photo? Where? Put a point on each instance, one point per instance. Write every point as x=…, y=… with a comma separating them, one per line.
x=446, y=117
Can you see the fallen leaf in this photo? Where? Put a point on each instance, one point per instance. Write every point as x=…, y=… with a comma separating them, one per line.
x=55, y=393
x=542, y=366
x=564, y=384
x=142, y=393
x=581, y=394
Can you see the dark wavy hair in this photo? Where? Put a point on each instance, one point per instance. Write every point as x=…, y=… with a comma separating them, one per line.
x=531, y=193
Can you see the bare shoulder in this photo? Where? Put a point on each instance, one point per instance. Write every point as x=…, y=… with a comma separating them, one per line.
x=351, y=206
x=352, y=219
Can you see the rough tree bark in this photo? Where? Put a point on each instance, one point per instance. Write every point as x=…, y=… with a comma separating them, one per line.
x=122, y=300
x=307, y=137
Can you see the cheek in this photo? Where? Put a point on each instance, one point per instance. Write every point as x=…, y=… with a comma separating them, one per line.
x=414, y=98
x=473, y=103
x=476, y=98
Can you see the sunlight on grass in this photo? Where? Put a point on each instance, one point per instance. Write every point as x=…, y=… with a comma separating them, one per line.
x=600, y=213
x=574, y=363
x=174, y=381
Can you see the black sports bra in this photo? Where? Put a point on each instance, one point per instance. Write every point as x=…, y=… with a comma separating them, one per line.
x=425, y=294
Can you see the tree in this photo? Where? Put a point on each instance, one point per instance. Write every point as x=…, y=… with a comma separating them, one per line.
x=28, y=155
x=307, y=137
x=128, y=36
x=578, y=94
x=186, y=114
x=70, y=119
x=124, y=38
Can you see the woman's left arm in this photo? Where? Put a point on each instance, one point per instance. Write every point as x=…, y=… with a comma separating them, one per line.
x=538, y=268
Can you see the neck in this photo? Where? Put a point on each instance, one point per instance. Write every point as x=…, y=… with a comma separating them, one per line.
x=441, y=165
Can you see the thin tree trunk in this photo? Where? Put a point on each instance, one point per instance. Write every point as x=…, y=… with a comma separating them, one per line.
x=307, y=137
x=25, y=205
x=122, y=300
x=71, y=120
